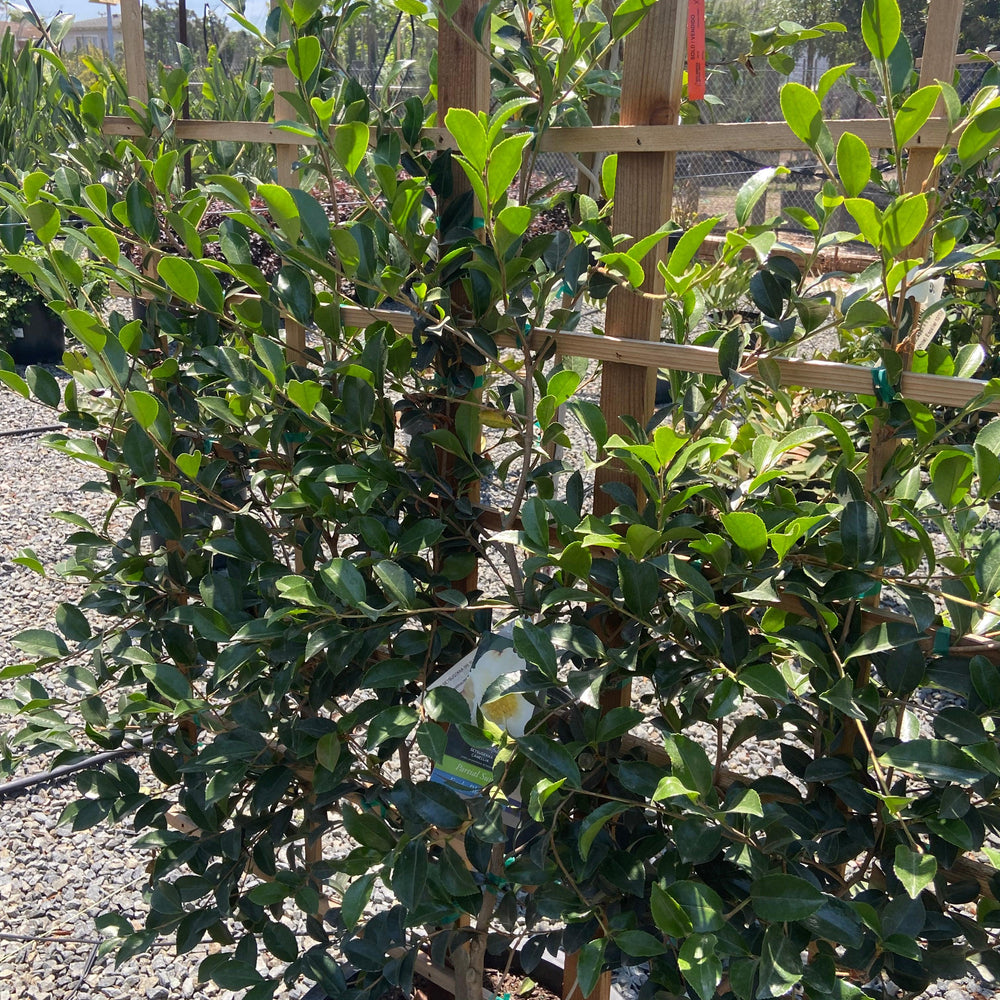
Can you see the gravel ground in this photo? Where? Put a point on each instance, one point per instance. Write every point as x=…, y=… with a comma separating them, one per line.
x=54, y=882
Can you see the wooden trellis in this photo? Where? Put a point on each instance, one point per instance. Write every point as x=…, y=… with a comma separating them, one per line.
x=647, y=141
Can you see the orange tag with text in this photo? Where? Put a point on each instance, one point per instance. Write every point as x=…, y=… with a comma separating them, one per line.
x=696, y=50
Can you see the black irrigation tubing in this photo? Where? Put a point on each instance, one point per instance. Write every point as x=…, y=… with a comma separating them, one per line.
x=25, y=431
x=20, y=786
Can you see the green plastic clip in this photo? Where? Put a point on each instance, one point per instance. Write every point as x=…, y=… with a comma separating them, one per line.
x=880, y=381
x=478, y=222
x=872, y=591
x=942, y=640
x=478, y=382
x=566, y=290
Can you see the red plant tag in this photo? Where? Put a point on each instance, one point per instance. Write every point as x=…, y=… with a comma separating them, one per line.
x=696, y=49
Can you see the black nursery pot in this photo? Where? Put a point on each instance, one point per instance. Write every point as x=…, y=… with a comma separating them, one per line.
x=42, y=338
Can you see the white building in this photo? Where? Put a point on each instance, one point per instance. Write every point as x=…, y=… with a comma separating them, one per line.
x=92, y=33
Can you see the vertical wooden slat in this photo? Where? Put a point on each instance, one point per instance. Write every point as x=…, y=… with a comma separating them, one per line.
x=944, y=20
x=463, y=82
x=286, y=155
x=652, y=76
x=134, y=43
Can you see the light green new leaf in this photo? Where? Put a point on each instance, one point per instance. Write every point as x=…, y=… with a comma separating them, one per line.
x=504, y=163
x=854, y=164
x=283, y=210
x=902, y=222
x=913, y=115
x=689, y=244
x=880, y=27
x=804, y=116
x=470, y=135
x=179, y=276
x=350, y=143
x=303, y=57
x=753, y=190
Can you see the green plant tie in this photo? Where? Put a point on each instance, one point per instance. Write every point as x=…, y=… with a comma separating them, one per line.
x=942, y=640
x=496, y=882
x=566, y=290
x=478, y=382
x=871, y=591
x=880, y=380
x=507, y=862
x=478, y=222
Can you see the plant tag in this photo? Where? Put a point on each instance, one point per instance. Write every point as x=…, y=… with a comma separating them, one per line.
x=696, y=50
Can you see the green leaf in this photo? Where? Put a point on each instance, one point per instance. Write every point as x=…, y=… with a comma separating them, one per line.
x=396, y=583
x=868, y=218
x=688, y=245
x=829, y=78
x=350, y=144
x=668, y=914
x=503, y=166
x=594, y=823
x=144, y=406
x=283, y=210
x=72, y=622
x=804, y=116
x=469, y=133
x=915, y=871
x=854, y=164
x=913, y=115
x=43, y=385
x=748, y=531
x=409, y=874
x=935, y=760
x=690, y=763
x=752, y=191
x=640, y=583
x=328, y=751
x=43, y=217
x=445, y=704
x=639, y=944
x=305, y=395
x=700, y=964
x=168, y=680
x=534, y=645
x=280, y=941
x=903, y=221
x=303, y=57
x=702, y=904
x=590, y=958
x=551, y=757
x=880, y=27
x=988, y=567
x=141, y=212
x=785, y=897
x=951, y=477
x=345, y=580
x=860, y=534
x=355, y=899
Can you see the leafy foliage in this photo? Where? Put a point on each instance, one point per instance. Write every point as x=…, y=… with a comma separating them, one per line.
x=293, y=571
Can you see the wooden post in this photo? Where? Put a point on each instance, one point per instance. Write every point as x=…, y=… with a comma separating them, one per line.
x=463, y=82
x=652, y=76
x=944, y=20
x=286, y=154
x=134, y=44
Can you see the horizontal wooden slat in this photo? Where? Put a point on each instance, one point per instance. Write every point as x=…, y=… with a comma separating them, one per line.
x=710, y=138
x=594, y=139
x=934, y=390
x=212, y=131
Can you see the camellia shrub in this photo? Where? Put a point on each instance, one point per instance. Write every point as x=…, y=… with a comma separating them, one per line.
x=284, y=573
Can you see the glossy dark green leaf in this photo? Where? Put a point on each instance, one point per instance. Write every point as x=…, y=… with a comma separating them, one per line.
x=551, y=757
x=785, y=897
